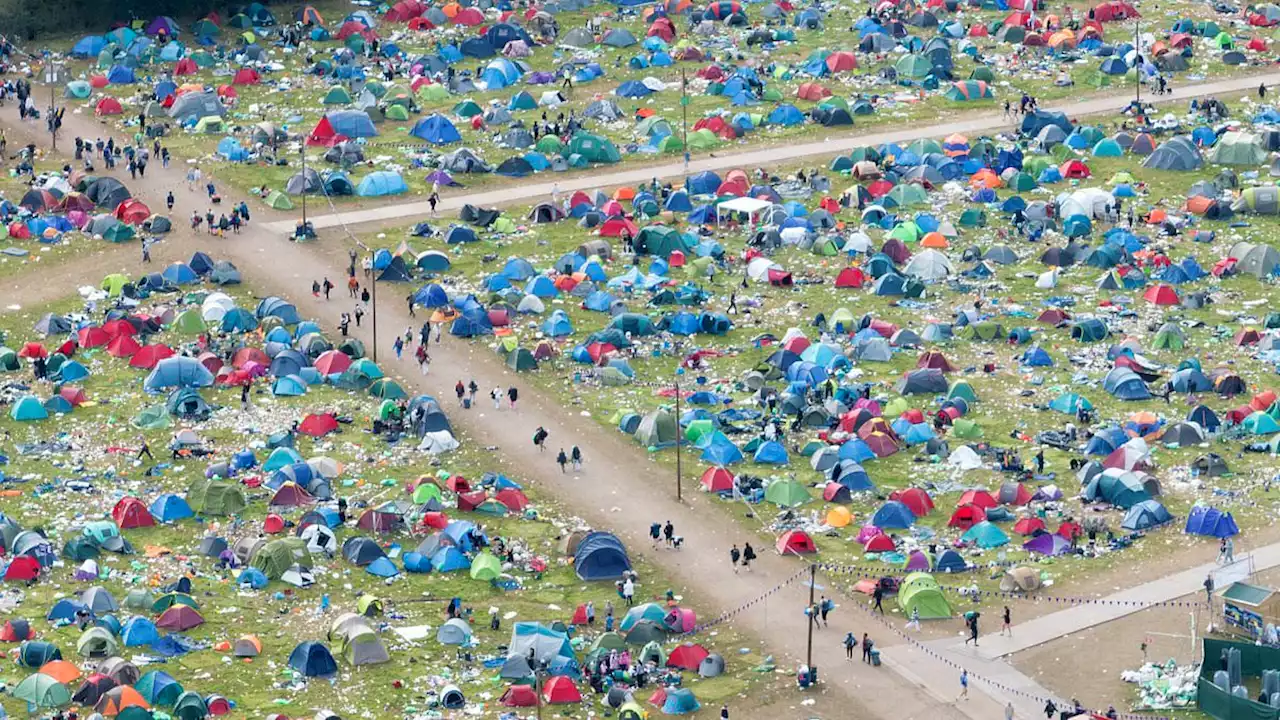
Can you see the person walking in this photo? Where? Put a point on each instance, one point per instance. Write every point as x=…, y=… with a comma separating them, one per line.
x=1231, y=551
x=866, y=648
x=315, y=289
x=1006, y=626
x=168, y=201
x=964, y=685
x=825, y=606
x=1208, y=590
x=748, y=555
x=591, y=613
x=562, y=460
x=655, y=534
x=540, y=438
x=144, y=450
x=1008, y=710
x=734, y=556
x=344, y=324
x=972, y=621
x=496, y=396
x=472, y=390
x=575, y=456
x=409, y=298
x=877, y=597
x=461, y=391
x=914, y=622
x=512, y=396
x=357, y=314
x=669, y=534
x=353, y=287
x=146, y=250
x=850, y=642
x=629, y=591
x=398, y=346
x=328, y=286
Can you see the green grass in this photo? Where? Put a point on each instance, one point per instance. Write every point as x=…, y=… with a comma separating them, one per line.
x=1013, y=299
x=283, y=616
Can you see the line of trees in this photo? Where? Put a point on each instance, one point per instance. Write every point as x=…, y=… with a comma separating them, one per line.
x=24, y=21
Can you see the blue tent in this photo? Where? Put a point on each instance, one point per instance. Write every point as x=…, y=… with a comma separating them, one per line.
x=786, y=115
x=276, y=307
x=678, y=202
x=170, y=508
x=289, y=386
x=950, y=561
x=383, y=568
x=985, y=535
x=893, y=515
x=541, y=286
x=352, y=123
x=417, y=563
x=680, y=702
x=1036, y=357
x=178, y=371
x=253, y=578
x=855, y=477
x=380, y=183
x=771, y=452
x=89, y=46
x=138, y=631
x=313, y=659
x=1205, y=417
x=704, y=183
x=449, y=559
x=856, y=449
x=1205, y=520
x=633, y=89
x=1144, y=515
x=28, y=408
x=65, y=609
x=460, y=234
x=721, y=451
x=601, y=556
x=436, y=129
x=557, y=325
x=121, y=75
x=431, y=296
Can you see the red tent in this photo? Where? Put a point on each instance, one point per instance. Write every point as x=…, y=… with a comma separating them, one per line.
x=614, y=227
x=458, y=484
x=133, y=211
x=560, y=690
x=180, y=618
x=966, y=516
x=717, y=479
x=812, y=91
x=514, y=499
x=118, y=327
x=421, y=23
x=331, y=362
x=246, y=76
x=579, y=615
x=186, y=66
x=1069, y=530
x=323, y=135
x=92, y=337
x=841, y=61
x=1028, y=525
x=935, y=360
x=123, y=346
x=22, y=568
x=73, y=395
x=129, y=513
x=250, y=354
x=797, y=542
x=18, y=632
x=1020, y=494
x=437, y=520
x=916, y=499
x=291, y=494
x=272, y=524
x=1161, y=294
x=519, y=696
x=980, y=498
x=318, y=425
x=147, y=356
x=404, y=11
x=469, y=17
x=108, y=106
x=687, y=656
x=471, y=501
x=878, y=543
x=851, y=277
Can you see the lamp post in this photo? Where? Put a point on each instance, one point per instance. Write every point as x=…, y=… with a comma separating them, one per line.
x=373, y=283
x=53, y=77
x=684, y=117
x=303, y=153
x=679, y=469
x=813, y=571
x=1137, y=61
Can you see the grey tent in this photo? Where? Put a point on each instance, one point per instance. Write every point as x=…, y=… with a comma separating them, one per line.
x=463, y=160
x=1176, y=153
x=190, y=107
x=658, y=428
x=1001, y=254
x=307, y=181
x=51, y=324
x=619, y=38
x=711, y=666
x=580, y=38
x=1238, y=148
x=224, y=273
x=268, y=133
x=1257, y=260
x=603, y=110
x=344, y=153
x=1260, y=200
x=922, y=382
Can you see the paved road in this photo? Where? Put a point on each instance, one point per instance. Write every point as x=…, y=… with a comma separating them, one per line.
x=768, y=157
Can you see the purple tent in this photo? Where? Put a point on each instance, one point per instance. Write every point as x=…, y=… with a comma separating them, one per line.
x=444, y=178
x=867, y=532
x=1047, y=544
x=539, y=77
x=918, y=561
x=1048, y=492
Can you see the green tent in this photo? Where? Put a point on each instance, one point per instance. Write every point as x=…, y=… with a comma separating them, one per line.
x=78, y=89
x=594, y=148
x=671, y=145
x=984, y=330
x=919, y=593
x=913, y=67
x=376, y=88
x=485, y=567
x=387, y=389
x=703, y=139
x=1238, y=148
x=966, y=429
x=9, y=361
x=1224, y=41
x=1022, y=182
x=425, y=492
x=355, y=43
x=549, y=145
x=983, y=73
x=787, y=493
x=396, y=112
x=97, y=642
x=202, y=59
x=190, y=706
x=152, y=418
x=466, y=109
x=337, y=95
x=189, y=322
x=434, y=93
x=278, y=200
x=42, y=691
x=657, y=429
x=695, y=430
x=1168, y=339
x=118, y=233
x=661, y=241
x=770, y=94
x=962, y=389
x=277, y=556
x=973, y=218
x=521, y=359
x=210, y=124
x=215, y=497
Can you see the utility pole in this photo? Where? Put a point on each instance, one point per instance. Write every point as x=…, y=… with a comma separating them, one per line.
x=1137, y=56
x=373, y=283
x=304, y=185
x=813, y=673
x=52, y=77
x=684, y=116
x=679, y=471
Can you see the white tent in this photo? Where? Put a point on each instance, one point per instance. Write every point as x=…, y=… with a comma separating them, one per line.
x=750, y=206
x=439, y=442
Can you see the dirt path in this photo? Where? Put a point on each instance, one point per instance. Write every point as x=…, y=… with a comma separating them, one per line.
x=972, y=125
x=614, y=490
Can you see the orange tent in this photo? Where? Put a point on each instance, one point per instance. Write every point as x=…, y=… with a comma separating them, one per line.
x=62, y=671
x=934, y=240
x=985, y=178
